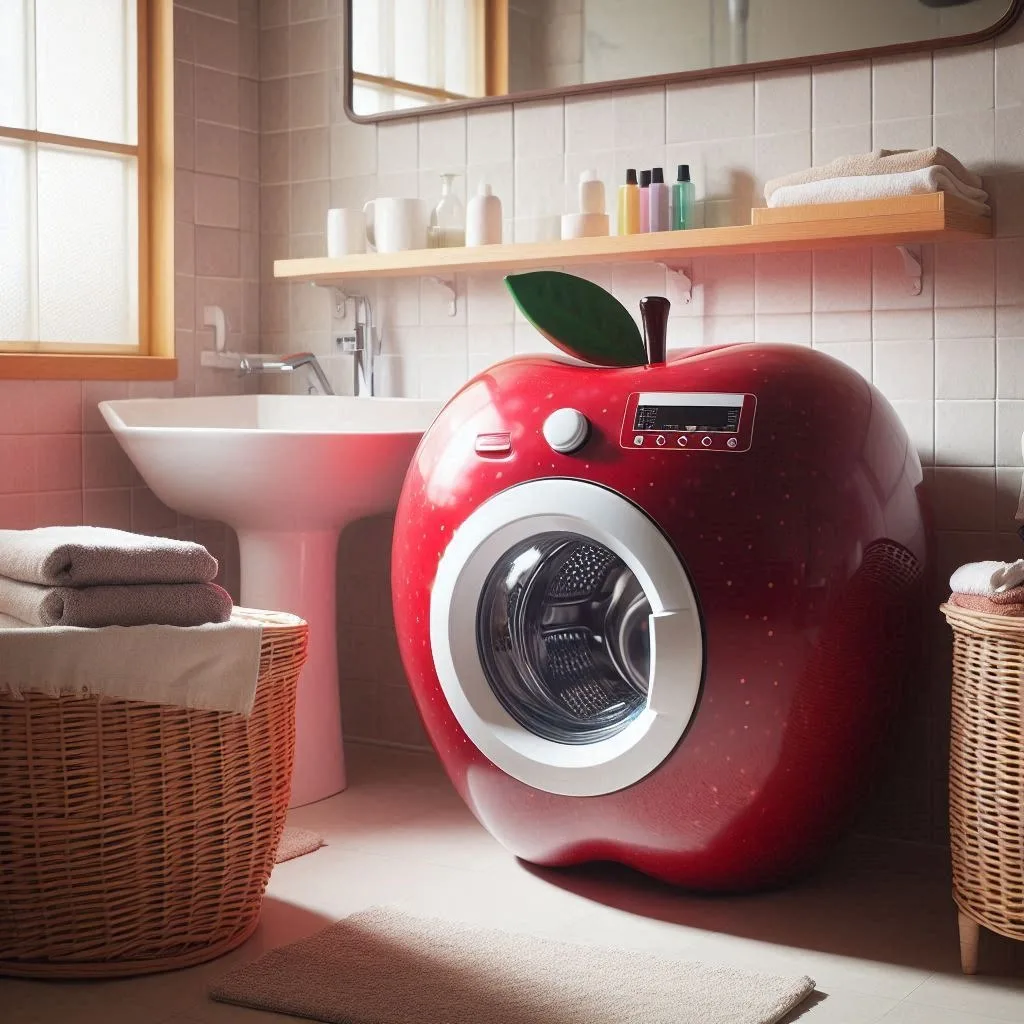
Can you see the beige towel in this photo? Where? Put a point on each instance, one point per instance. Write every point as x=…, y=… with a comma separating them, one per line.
x=144, y=604
x=85, y=556
x=210, y=668
x=878, y=161
x=881, y=186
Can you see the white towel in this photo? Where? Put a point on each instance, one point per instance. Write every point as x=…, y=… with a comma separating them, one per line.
x=881, y=186
x=211, y=668
x=986, y=579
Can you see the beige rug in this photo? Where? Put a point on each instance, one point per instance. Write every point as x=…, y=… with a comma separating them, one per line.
x=296, y=842
x=386, y=967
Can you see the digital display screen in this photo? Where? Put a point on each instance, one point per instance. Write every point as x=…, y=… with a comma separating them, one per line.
x=705, y=419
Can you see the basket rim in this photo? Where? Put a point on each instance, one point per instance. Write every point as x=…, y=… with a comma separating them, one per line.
x=1007, y=627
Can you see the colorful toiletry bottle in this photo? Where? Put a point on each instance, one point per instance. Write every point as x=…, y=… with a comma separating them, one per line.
x=629, y=205
x=483, y=218
x=682, y=199
x=658, y=218
x=645, y=200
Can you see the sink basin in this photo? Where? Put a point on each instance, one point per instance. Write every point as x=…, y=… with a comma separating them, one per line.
x=288, y=472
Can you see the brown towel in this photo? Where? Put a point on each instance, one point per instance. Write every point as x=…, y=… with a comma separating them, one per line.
x=86, y=556
x=997, y=605
x=878, y=161
x=145, y=604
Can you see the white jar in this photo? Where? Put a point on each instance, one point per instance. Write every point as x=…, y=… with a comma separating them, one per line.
x=483, y=218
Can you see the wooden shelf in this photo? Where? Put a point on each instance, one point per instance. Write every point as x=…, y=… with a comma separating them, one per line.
x=929, y=218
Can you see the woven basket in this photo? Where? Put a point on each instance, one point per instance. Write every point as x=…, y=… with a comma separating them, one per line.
x=986, y=776
x=139, y=837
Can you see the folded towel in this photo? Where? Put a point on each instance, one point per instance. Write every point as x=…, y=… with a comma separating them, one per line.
x=881, y=186
x=878, y=161
x=85, y=556
x=210, y=668
x=997, y=581
x=143, y=604
x=976, y=603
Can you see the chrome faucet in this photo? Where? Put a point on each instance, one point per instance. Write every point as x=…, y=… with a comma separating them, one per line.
x=362, y=346
x=286, y=364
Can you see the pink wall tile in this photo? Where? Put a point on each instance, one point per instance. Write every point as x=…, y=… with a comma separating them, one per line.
x=104, y=464
x=58, y=462
x=59, y=508
x=17, y=463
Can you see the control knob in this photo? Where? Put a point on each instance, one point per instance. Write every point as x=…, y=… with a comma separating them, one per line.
x=566, y=430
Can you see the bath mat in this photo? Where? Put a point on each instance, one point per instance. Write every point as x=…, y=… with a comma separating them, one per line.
x=297, y=842
x=387, y=967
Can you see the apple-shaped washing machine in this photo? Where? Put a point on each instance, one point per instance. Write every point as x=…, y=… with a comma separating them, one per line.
x=662, y=614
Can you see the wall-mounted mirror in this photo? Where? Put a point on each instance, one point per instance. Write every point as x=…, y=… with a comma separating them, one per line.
x=407, y=55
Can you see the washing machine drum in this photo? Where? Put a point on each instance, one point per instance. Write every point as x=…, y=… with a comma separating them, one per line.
x=563, y=637
x=568, y=646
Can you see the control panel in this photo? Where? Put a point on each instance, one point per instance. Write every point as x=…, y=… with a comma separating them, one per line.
x=688, y=421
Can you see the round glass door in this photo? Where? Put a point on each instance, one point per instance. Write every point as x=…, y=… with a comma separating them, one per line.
x=563, y=637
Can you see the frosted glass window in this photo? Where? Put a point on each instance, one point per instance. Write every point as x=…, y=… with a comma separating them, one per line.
x=15, y=241
x=86, y=68
x=15, y=21
x=88, y=246
x=366, y=37
x=416, y=46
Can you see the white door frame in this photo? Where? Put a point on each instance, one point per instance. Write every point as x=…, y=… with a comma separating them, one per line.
x=677, y=656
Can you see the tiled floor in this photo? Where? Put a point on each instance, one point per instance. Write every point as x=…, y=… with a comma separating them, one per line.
x=875, y=929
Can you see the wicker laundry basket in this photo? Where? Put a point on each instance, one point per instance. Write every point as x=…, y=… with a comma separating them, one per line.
x=986, y=776
x=138, y=837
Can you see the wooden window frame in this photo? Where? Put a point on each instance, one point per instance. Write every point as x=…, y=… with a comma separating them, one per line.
x=155, y=153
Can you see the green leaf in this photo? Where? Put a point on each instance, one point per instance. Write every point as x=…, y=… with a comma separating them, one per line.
x=578, y=316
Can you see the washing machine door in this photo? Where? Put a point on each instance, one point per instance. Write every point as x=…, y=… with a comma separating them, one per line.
x=566, y=637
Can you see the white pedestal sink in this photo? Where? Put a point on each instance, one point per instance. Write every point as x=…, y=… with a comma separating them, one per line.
x=288, y=472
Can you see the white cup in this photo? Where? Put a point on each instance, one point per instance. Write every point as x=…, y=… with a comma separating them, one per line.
x=396, y=224
x=346, y=232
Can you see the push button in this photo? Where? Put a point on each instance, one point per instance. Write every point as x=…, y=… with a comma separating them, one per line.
x=706, y=441
x=732, y=442
x=660, y=439
x=638, y=439
x=498, y=443
x=683, y=441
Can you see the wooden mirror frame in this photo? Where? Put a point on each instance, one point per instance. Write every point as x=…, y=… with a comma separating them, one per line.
x=1013, y=11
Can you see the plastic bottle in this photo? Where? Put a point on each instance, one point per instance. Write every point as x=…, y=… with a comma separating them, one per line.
x=448, y=218
x=682, y=199
x=629, y=205
x=483, y=218
x=645, y=200
x=591, y=193
x=658, y=201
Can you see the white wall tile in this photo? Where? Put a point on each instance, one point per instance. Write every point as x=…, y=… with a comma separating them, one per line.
x=966, y=322
x=539, y=129
x=488, y=302
x=783, y=328
x=1009, y=141
x=841, y=327
x=840, y=140
x=1008, y=498
x=856, y=355
x=842, y=279
x=841, y=94
x=965, y=274
x=781, y=154
x=964, y=79
x=589, y=123
x=918, y=417
x=540, y=188
x=963, y=499
x=782, y=101
x=966, y=368
x=397, y=147
x=728, y=285
x=782, y=282
x=1009, y=431
x=440, y=376
x=904, y=369
x=906, y=133
x=890, y=286
x=902, y=86
x=442, y=142
x=1009, y=74
x=971, y=136
x=639, y=117
x=489, y=136
x=964, y=433
x=702, y=111
x=1009, y=354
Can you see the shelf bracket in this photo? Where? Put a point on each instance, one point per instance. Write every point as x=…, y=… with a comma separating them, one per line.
x=448, y=284
x=683, y=279
x=339, y=299
x=911, y=256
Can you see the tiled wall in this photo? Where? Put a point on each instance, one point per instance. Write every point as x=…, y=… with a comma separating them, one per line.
x=58, y=461
x=950, y=359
